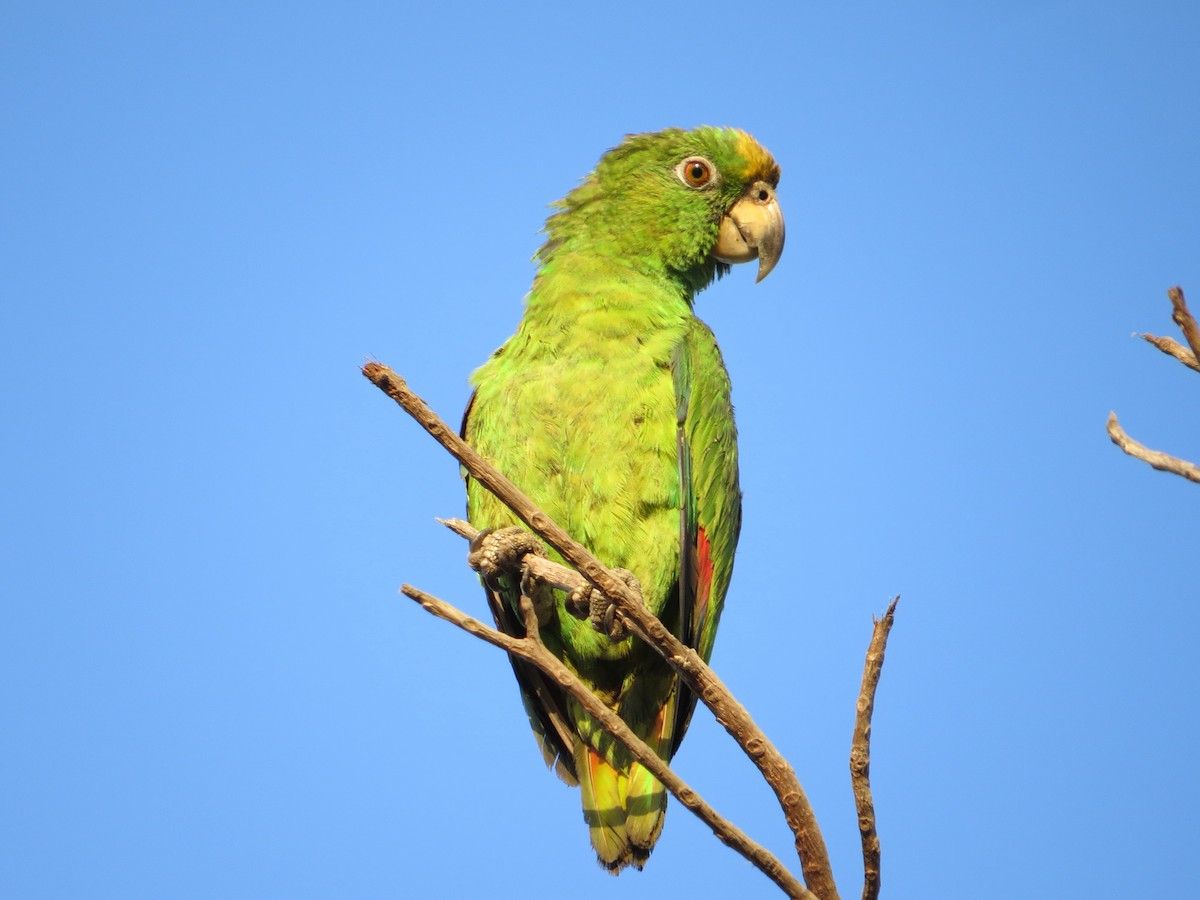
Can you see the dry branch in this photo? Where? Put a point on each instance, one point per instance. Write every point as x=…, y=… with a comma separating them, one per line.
x=1172, y=347
x=532, y=649
x=1164, y=462
x=860, y=752
x=543, y=570
x=810, y=845
x=700, y=679
x=547, y=571
x=1183, y=318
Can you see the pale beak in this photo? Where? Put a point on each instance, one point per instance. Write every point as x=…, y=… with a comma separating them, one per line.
x=752, y=228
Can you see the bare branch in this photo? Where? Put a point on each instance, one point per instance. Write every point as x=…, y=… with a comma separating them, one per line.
x=539, y=567
x=1190, y=358
x=1172, y=347
x=544, y=570
x=860, y=752
x=1159, y=460
x=810, y=845
x=531, y=648
x=1183, y=318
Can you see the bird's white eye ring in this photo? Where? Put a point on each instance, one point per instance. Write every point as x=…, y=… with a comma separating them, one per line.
x=695, y=172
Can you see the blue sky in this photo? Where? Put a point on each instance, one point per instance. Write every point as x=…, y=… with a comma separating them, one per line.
x=213, y=214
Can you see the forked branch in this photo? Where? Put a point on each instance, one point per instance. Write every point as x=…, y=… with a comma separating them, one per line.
x=684, y=660
x=532, y=649
x=1165, y=462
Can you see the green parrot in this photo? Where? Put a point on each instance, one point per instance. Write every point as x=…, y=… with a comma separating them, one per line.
x=611, y=408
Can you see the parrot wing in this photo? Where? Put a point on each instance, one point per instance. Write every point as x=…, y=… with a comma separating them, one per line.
x=545, y=703
x=710, y=516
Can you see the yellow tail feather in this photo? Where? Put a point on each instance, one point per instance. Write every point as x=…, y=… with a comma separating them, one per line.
x=645, y=796
x=602, y=789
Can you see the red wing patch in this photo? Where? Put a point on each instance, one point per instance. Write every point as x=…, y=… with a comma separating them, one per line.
x=704, y=578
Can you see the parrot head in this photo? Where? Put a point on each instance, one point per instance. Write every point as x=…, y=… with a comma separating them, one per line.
x=688, y=203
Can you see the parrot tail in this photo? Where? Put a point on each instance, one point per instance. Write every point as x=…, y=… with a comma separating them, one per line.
x=625, y=810
x=645, y=796
x=602, y=792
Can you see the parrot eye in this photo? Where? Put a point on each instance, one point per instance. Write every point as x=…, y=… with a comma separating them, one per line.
x=695, y=172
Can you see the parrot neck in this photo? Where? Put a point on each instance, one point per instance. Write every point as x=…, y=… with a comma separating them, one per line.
x=596, y=273
x=582, y=306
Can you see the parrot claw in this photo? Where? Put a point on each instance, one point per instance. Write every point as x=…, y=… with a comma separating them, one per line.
x=613, y=627
x=497, y=552
x=586, y=602
x=579, y=601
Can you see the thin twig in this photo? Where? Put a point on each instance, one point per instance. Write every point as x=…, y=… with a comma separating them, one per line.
x=540, y=568
x=532, y=649
x=1172, y=347
x=1183, y=318
x=810, y=845
x=860, y=752
x=1159, y=460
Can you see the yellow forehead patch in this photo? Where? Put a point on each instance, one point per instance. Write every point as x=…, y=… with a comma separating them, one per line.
x=759, y=163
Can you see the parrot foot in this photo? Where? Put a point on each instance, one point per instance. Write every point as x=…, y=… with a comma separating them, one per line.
x=498, y=552
x=586, y=602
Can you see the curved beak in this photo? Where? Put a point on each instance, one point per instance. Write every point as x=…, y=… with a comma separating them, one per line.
x=753, y=228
